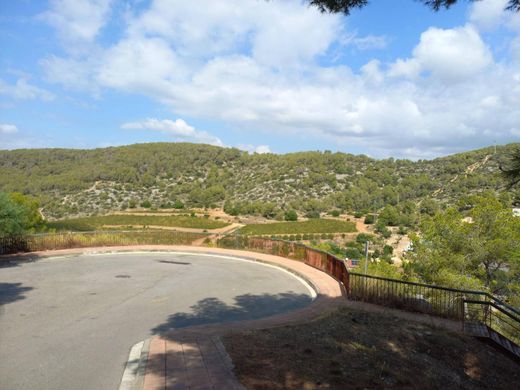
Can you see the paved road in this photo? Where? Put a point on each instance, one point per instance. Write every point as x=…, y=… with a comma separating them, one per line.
x=68, y=323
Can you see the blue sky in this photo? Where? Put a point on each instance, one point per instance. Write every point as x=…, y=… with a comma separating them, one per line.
x=393, y=79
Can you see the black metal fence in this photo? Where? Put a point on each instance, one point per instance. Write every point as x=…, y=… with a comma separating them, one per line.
x=424, y=298
x=480, y=313
x=493, y=314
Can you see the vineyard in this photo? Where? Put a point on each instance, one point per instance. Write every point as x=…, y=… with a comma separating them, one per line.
x=303, y=227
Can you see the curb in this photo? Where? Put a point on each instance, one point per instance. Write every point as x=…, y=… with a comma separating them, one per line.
x=135, y=368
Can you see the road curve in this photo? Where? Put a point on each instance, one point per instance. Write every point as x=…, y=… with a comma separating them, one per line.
x=68, y=322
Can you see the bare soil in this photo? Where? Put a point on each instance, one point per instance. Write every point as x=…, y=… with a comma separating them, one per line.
x=360, y=350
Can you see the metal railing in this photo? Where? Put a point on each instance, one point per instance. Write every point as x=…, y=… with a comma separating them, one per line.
x=493, y=318
x=434, y=300
x=292, y=250
x=410, y=296
x=481, y=313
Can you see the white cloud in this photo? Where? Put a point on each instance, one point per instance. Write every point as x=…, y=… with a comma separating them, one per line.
x=178, y=129
x=451, y=55
x=77, y=21
x=370, y=42
x=6, y=128
x=255, y=67
x=22, y=90
x=260, y=149
x=488, y=14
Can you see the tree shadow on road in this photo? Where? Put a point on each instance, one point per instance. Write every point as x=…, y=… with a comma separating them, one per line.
x=181, y=366
x=11, y=292
x=245, y=307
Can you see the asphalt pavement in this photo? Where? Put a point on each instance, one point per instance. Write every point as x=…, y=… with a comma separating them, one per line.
x=69, y=322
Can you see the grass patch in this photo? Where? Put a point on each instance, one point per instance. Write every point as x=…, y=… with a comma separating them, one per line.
x=310, y=226
x=97, y=222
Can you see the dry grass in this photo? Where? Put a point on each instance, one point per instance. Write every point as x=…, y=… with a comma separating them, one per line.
x=354, y=349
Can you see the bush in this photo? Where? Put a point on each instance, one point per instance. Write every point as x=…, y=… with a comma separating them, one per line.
x=369, y=219
x=364, y=237
x=387, y=250
x=383, y=230
x=313, y=214
x=334, y=213
x=146, y=204
x=291, y=215
x=353, y=253
x=358, y=214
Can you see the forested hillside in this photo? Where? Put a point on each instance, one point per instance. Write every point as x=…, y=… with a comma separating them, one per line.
x=79, y=182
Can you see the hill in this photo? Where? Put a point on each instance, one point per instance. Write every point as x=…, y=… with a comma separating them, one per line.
x=71, y=182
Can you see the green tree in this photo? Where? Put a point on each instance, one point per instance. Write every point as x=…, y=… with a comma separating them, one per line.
x=512, y=171
x=19, y=214
x=481, y=251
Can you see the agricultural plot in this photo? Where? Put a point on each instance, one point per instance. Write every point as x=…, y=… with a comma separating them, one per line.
x=303, y=227
x=99, y=222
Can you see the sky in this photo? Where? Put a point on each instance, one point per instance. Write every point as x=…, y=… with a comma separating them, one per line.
x=393, y=79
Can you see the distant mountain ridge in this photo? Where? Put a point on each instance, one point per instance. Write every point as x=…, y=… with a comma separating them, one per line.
x=77, y=182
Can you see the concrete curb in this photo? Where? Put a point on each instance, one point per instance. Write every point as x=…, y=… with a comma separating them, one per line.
x=135, y=369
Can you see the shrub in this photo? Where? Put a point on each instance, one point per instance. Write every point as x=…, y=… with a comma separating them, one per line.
x=178, y=204
x=353, y=253
x=146, y=204
x=364, y=237
x=291, y=215
x=334, y=213
x=369, y=219
x=388, y=250
x=313, y=214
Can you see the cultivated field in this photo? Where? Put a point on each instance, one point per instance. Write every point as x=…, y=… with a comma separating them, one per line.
x=100, y=222
x=303, y=227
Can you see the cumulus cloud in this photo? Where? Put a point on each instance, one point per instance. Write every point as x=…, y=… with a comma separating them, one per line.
x=6, y=128
x=452, y=55
x=256, y=67
x=22, y=90
x=178, y=129
x=488, y=14
x=77, y=21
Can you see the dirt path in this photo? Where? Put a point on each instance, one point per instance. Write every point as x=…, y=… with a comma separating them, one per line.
x=399, y=243
x=469, y=169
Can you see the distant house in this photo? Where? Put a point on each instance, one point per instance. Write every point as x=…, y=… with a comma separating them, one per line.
x=351, y=263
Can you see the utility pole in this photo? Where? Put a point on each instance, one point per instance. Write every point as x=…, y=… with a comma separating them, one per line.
x=366, y=256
